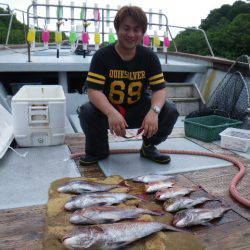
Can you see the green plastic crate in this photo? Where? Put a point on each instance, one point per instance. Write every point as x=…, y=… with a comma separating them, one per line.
x=208, y=128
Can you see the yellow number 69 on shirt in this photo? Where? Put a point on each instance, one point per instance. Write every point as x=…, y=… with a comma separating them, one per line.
x=118, y=88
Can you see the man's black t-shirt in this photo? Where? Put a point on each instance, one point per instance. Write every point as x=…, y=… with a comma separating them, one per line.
x=124, y=82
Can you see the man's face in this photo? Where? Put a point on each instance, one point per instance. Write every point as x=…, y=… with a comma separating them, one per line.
x=129, y=33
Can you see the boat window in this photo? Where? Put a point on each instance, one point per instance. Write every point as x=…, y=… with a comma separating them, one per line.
x=76, y=81
x=176, y=76
x=13, y=81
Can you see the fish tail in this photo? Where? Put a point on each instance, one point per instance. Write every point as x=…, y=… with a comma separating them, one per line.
x=170, y=227
x=143, y=197
x=225, y=205
x=157, y=212
x=124, y=183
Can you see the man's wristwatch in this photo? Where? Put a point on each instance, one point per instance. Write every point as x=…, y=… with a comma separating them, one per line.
x=156, y=109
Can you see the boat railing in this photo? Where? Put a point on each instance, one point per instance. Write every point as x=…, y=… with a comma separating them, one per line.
x=194, y=29
x=162, y=24
x=11, y=17
x=11, y=14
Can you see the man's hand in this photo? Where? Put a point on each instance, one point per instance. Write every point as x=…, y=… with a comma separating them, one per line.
x=117, y=123
x=150, y=124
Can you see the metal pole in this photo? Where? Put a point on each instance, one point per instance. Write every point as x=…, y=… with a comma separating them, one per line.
x=84, y=30
x=28, y=24
x=172, y=38
x=25, y=33
x=8, y=35
x=175, y=46
x=197, y=29
x=103, y=25
x=208, y=44
x=58, y=30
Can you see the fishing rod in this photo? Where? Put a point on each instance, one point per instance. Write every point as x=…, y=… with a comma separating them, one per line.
x=58, y=33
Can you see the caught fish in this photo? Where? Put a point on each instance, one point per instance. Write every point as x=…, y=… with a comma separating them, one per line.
x=83, y=201
x=152, y=178
x=78, y=187
x=197, y=216
x=155, y=186
x=173, y=192
x=178, y=203
x=100, y=214
x=112, y=236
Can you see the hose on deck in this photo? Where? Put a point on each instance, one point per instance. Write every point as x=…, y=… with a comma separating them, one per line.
x=232, y=187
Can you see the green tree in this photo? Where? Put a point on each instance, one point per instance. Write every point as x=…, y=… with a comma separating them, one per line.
x=239, y=31
x=190, y=41
x=17, y=34
x=227, y=29
x=226, y=12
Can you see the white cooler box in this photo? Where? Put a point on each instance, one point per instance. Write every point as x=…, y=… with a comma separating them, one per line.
x=39, y=115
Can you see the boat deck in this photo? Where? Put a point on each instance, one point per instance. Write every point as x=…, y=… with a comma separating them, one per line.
x=23, y=228
x=16, y=60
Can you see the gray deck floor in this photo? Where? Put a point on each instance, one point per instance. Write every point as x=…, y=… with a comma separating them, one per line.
x=132, y=165
x=25, y=181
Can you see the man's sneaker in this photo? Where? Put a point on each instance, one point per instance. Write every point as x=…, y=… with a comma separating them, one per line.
x=89, y=159
x=152, y=153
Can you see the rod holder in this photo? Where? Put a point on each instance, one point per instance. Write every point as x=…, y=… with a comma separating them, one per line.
x=72, y=13
x=47, y=12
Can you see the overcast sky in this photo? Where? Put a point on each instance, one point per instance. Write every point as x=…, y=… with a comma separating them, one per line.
x=179, y=12
x=187, y=13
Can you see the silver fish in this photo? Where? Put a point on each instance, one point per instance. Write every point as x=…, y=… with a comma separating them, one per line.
x=101, y=214
x=158, y=185
x=178, y=203
x=106, y=198
x=112, y=236
x=173, y=192
x=197, y=216
x=152, y=178
x=78, y=187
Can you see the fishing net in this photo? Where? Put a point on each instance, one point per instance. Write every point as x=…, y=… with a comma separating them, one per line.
x=231, y=97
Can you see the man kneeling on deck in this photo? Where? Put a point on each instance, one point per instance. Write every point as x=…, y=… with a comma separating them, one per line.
x=118, y=85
